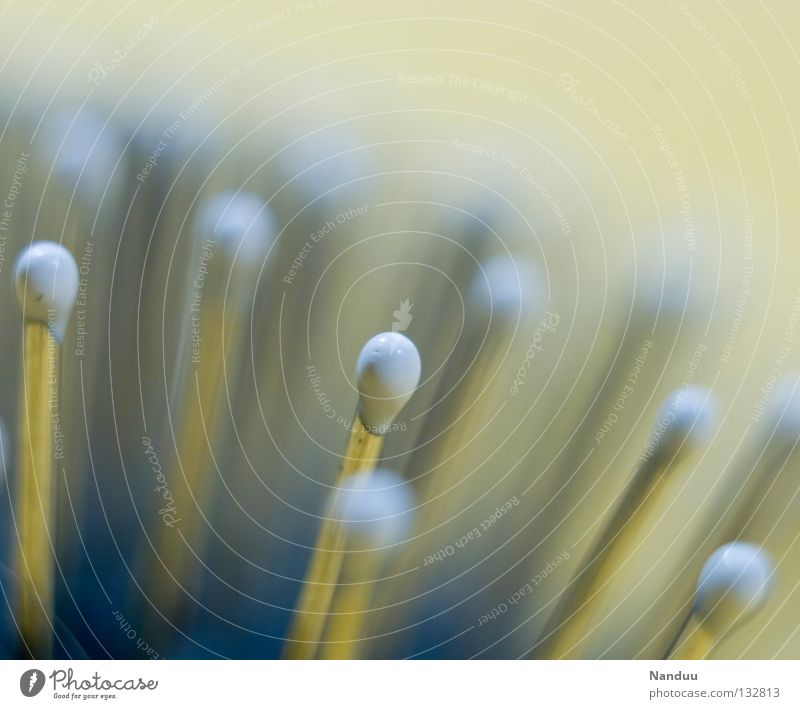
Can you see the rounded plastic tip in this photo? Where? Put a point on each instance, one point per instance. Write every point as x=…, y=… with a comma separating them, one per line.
x=376, y=508
x=506, y=290
x=46, y=280
x=684, y=423
x=733, y=585
x=241, y=226
x=387, y=373
x=84, y=149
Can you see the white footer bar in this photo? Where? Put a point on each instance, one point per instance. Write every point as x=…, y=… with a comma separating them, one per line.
x=406, y=685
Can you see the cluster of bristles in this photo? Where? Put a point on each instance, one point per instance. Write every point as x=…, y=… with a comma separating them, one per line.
x=372, y=507
x=371, y=517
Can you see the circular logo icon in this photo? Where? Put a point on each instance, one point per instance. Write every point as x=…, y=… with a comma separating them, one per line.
x=31, y=682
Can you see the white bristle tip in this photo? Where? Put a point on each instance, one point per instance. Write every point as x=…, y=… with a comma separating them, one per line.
x=46, y=280
x=507, y=290
x=376, y=508
x=84, y=150
x=241, y=225
x=685, y=422
x=734, y=584
x=387, y=373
